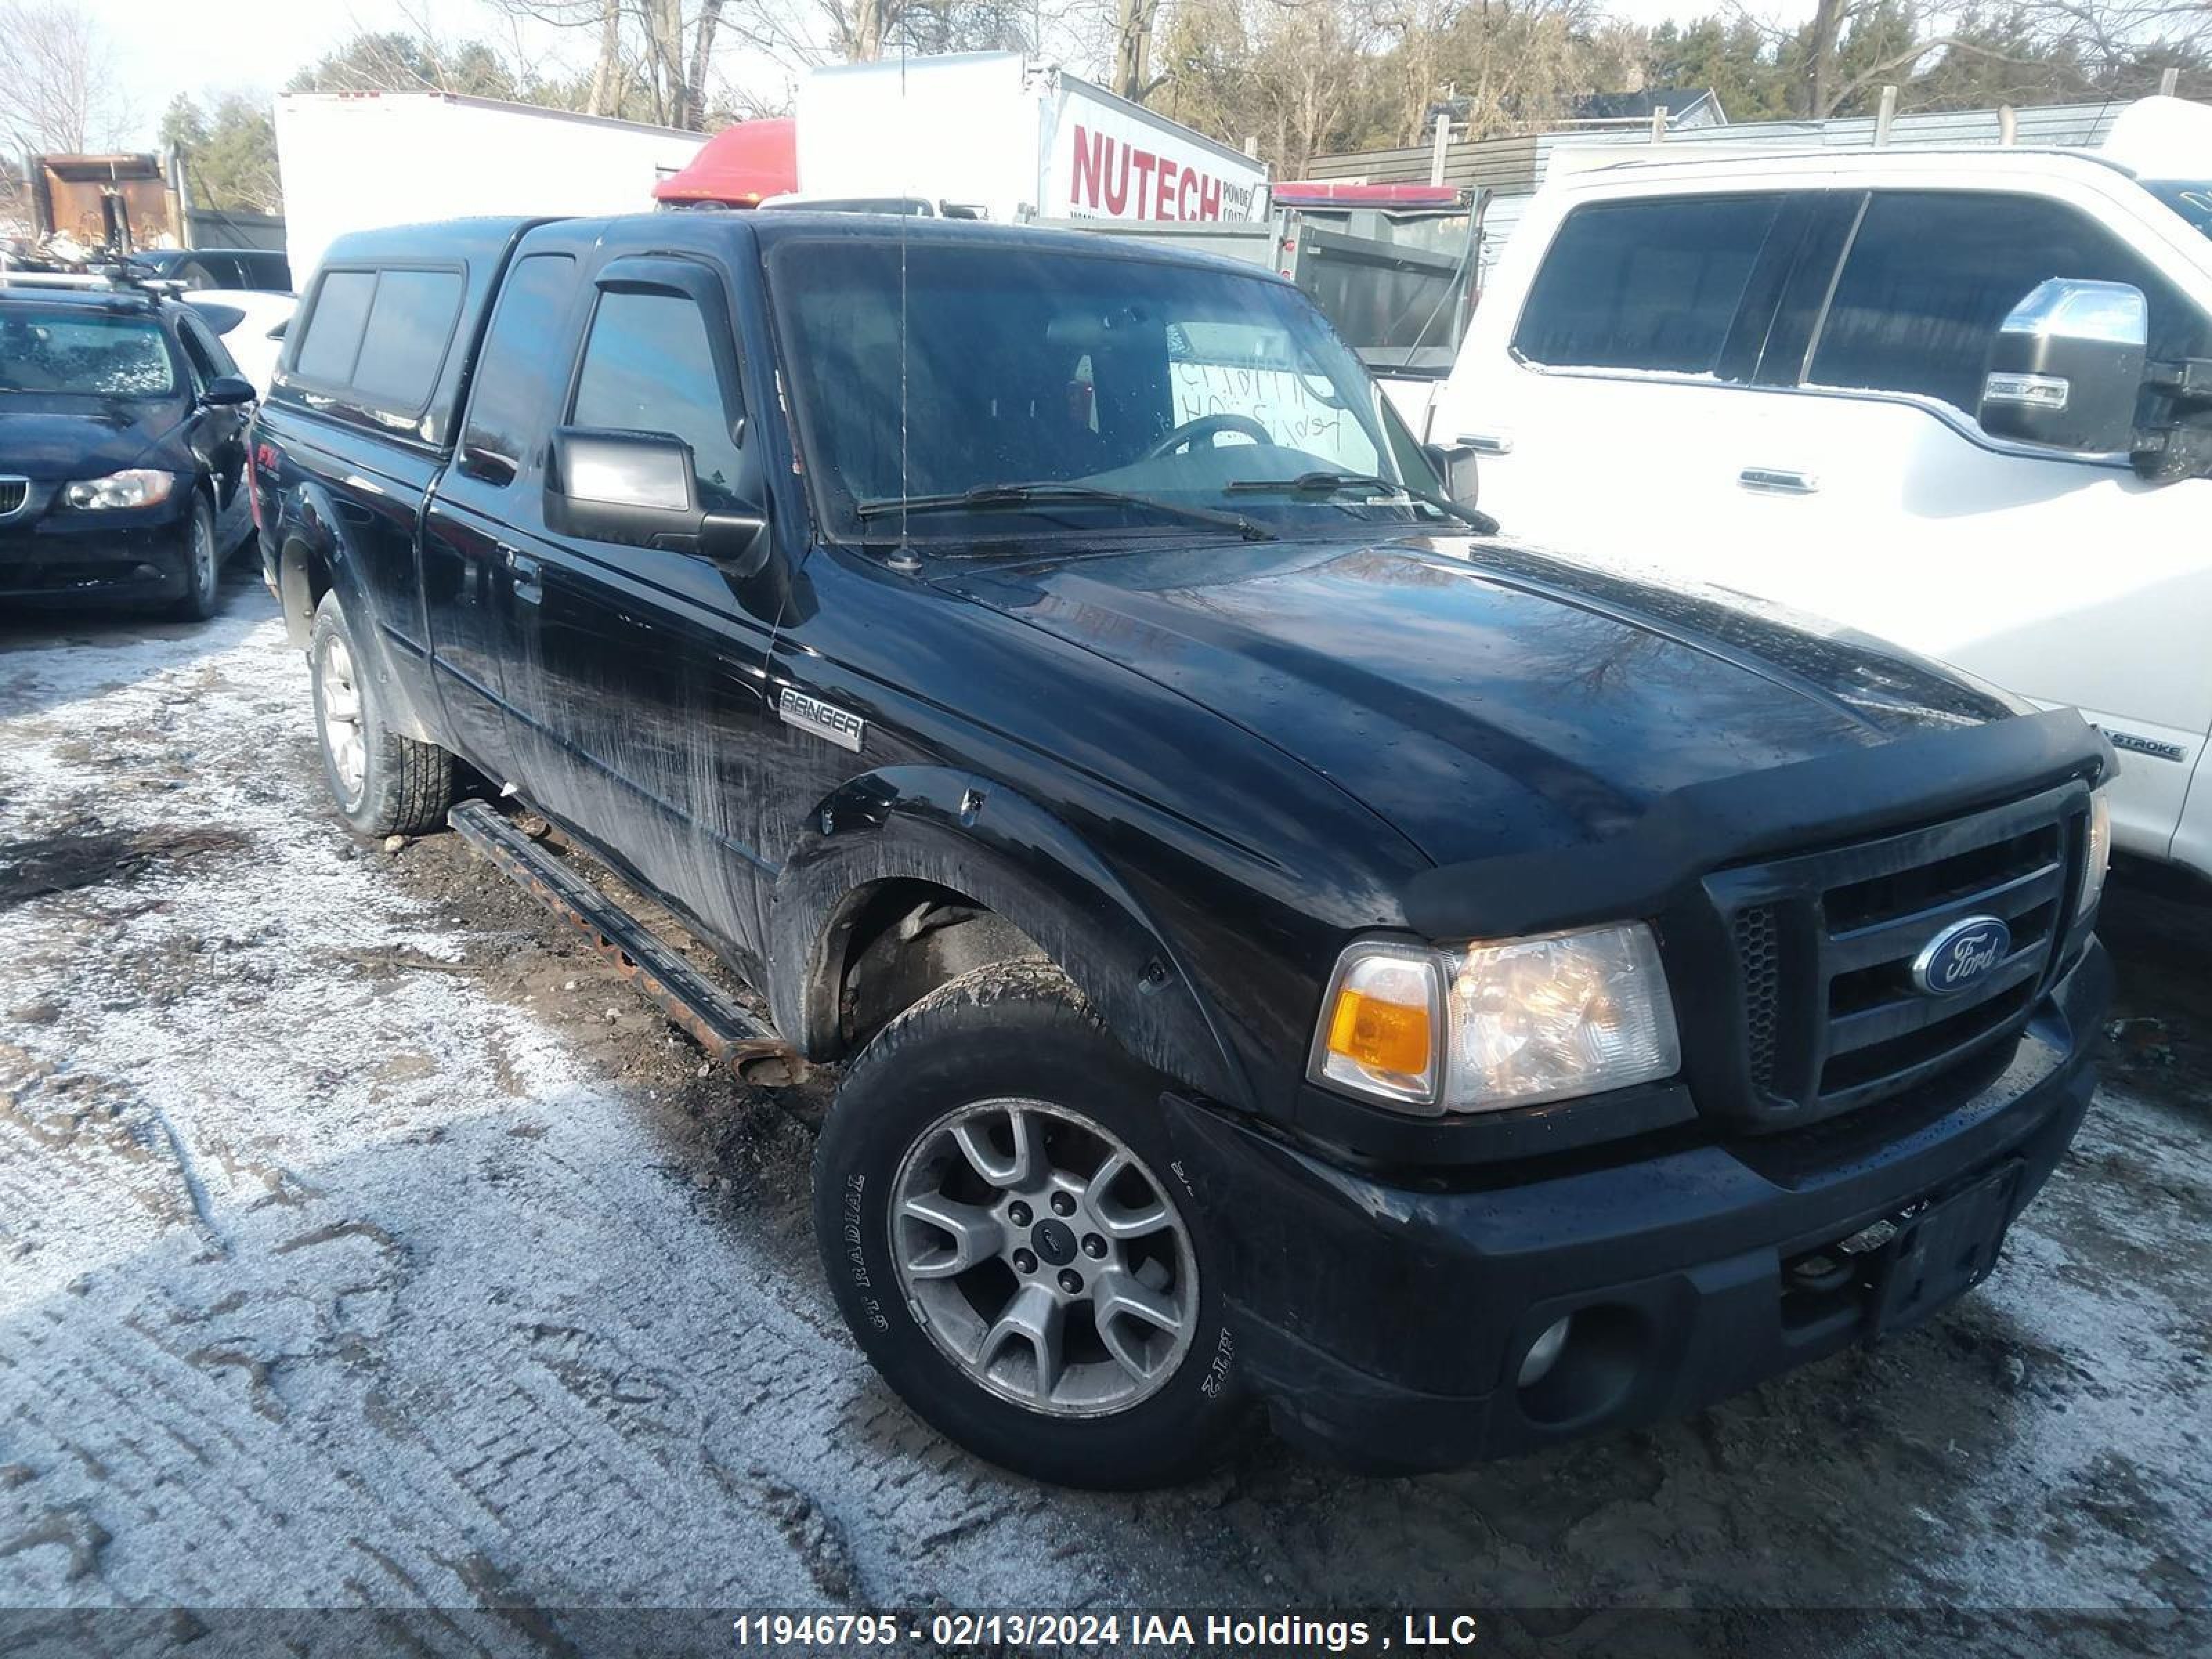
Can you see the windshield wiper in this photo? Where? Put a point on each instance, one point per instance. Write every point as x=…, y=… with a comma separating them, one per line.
x=986, y=497
x=1335, y=483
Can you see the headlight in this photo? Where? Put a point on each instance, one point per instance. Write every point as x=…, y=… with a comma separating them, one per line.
x=140, y=486
x=1500, y=1023
x=2097, y=855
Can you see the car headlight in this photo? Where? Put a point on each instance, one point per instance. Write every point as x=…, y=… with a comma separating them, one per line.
x=1498, y=1023
x=2097, y=856
x=137, y=486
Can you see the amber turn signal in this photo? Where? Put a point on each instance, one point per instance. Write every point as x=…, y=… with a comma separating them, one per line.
x=1384, y=1036
x=1381, y=1023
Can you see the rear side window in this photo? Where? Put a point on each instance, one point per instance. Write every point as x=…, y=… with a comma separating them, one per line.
x=649, y=367
x=409, y=322
x=1931, y=274
x=333, y=336
x=1651, y=285
x=381, y=335
x=517, y=374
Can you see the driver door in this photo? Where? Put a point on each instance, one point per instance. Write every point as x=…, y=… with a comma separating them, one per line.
x=635, y=689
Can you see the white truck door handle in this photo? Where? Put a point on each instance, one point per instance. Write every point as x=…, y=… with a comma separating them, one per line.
x=1487, y=443
x=1778, y=481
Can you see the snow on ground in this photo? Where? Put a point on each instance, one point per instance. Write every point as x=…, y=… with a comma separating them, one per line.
x=363, y=1243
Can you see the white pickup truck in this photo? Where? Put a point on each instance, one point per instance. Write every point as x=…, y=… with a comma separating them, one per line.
x=1959, y=399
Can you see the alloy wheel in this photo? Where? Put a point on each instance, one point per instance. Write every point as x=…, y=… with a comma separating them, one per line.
x=344, y=739
x=1044, y=1258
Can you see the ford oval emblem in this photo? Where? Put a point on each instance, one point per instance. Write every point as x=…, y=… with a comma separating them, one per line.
x=1962, y=954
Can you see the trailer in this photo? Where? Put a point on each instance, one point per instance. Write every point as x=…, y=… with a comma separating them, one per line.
x=1007, y=139
x=99, y=203
x=355, y=160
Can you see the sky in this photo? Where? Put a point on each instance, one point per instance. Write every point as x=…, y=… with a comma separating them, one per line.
x=256, y=47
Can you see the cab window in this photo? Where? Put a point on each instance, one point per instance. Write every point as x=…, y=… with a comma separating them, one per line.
x=332, y=339
x=403, y=345
x=517, y=379
x=649, y=367
x=1650, y=285
x=1931, y=274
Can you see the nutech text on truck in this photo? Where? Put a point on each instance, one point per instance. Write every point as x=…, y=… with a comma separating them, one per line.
x=1121, y=180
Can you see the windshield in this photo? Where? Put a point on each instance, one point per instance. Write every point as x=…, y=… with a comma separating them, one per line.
x=1184, y=386
x=86, y=353
x=2190, y=197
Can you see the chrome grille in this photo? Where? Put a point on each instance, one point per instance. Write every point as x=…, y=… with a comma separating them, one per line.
x=1824, y=945
x=14, y=492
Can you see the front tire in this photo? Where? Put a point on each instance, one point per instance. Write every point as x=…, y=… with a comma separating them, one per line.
x=997, y=1208
x=383, y=783
x=203, y=565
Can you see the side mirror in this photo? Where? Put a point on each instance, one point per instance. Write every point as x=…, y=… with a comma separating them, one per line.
x=227, y=391
x=1455, y=466
x=640, y=489
x=2067, y=366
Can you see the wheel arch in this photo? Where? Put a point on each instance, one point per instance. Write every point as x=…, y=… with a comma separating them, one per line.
x=902, y=836
x=314, y=559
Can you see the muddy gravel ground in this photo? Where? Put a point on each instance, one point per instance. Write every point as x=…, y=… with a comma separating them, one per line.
x=366, y=1242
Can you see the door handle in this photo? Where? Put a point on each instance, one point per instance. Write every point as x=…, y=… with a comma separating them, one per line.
x=1487, y=443
x=528, y=573
x=1778, y=481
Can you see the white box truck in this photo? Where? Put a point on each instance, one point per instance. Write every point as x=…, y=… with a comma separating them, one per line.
x=355, y=160
x=993, y=132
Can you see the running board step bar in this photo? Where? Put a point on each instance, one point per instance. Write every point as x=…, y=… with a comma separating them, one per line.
x=722, y=1026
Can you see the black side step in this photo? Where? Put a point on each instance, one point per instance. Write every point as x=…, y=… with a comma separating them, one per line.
x=723, y=1027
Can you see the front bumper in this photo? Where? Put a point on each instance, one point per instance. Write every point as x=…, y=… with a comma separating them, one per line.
x=1385, y=1321
x=52, y=553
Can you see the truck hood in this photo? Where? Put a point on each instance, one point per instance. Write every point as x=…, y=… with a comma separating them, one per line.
x=1482, y=699
x=54, y=440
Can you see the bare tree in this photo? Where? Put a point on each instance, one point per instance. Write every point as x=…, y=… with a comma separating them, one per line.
x=1134, y=22
x=2021, y=50
x=607, y=68
x=652, y=59
x=58, y=91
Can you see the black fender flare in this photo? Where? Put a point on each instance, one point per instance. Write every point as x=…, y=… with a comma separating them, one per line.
x=309, y=531
x=962, y=831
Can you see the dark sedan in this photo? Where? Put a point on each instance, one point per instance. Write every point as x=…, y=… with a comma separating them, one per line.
x=122, y=448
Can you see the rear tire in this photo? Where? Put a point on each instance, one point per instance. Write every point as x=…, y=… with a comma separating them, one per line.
x=1071, y=1323
x=384, y=782
x=203, y=565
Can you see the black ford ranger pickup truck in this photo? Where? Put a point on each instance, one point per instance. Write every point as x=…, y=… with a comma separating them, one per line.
x=1284, y=944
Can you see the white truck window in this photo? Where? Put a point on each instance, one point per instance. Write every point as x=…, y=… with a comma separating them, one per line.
x=1650, y=284
x=1932, y=273
x=2190, y=197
